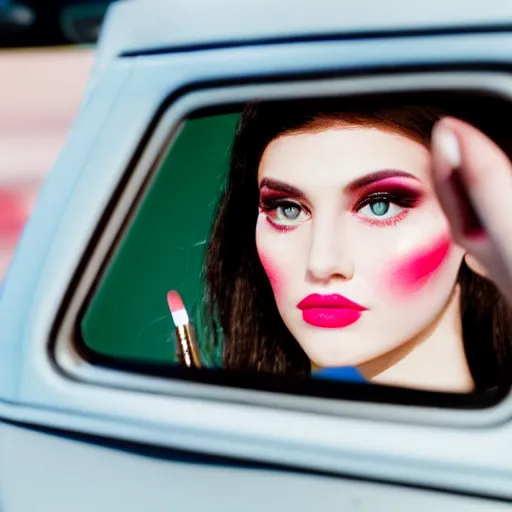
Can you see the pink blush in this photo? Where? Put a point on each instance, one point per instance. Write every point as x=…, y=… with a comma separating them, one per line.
x=272, y=273
x=415, y=270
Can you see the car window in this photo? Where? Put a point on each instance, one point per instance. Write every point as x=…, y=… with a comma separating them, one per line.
x=303, y=239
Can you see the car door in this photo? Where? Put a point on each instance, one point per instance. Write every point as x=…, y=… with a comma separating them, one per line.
x=95, y=413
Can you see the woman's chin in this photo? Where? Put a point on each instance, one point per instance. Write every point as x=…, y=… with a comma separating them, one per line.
x=349, y=346
x=325, y=353
x=332, y=359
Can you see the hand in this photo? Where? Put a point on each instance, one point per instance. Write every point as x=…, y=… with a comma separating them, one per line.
x=473, y=181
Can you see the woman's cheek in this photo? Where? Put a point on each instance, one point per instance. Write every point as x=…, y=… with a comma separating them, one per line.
x=413, y=270
x=273, y=272
x=266, y=247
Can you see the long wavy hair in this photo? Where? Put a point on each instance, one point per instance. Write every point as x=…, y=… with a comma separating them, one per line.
x=240, y=310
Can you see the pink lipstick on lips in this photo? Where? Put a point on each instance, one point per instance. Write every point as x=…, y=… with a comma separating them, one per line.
x=330, y=311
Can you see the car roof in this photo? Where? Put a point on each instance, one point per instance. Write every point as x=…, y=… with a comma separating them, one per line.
x=148, y=26
x=171, y=24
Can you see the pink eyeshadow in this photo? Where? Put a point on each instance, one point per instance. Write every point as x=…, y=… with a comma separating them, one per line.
x=393, y=183
x=415, y=270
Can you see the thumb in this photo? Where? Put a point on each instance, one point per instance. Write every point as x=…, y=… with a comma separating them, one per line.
x=473, y=180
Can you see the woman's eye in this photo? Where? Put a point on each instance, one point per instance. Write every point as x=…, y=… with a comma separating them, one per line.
x=380, y=209
x=288, y=214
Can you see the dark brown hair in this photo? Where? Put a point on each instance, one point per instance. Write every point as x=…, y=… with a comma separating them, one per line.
x=240, y=308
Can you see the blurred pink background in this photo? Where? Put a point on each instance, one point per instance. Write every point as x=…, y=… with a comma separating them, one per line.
x=40, y=94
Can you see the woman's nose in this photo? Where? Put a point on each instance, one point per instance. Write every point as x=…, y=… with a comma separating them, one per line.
x=329, y=255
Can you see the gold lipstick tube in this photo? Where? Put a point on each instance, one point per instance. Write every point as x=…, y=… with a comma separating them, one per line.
x=188, y=353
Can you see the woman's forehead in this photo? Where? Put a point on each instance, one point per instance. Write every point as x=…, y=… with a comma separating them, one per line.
x=338, y=155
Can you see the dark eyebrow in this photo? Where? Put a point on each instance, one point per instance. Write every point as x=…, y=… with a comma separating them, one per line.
x=377, y=176
x=280, y=186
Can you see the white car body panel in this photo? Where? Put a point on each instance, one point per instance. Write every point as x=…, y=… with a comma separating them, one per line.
x=123, y=95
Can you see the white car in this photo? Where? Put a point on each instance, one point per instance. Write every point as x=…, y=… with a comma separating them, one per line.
x=93, y=415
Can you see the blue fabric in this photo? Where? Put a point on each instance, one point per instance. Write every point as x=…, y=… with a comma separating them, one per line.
x=346, y=373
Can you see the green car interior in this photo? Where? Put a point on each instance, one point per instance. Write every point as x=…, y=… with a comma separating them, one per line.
x=162, y=249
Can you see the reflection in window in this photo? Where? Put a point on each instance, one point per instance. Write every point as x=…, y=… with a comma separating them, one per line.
x=305, y=239
x=330, y=253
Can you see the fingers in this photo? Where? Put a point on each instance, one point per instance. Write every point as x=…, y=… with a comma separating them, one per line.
x=473, y=180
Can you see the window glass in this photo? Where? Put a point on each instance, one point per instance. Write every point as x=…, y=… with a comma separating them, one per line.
x=304, y=238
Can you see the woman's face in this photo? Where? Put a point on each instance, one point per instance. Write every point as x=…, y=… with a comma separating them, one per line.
x=354, y=243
